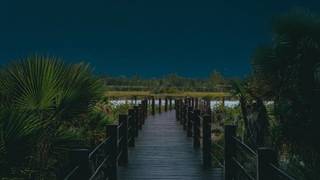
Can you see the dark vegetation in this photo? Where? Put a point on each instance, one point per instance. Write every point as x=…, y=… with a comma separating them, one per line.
x=46, y=108
x=173, y=83
x=286, y=73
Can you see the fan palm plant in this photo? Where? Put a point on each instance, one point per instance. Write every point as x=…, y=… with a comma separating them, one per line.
x=55, y=94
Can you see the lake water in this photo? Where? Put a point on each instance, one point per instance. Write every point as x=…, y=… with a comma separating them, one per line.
x=213, y=103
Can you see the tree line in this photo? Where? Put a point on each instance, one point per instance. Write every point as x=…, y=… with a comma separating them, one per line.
x=216, y=82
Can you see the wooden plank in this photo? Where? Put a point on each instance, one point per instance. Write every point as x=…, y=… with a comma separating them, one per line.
x=163, y=152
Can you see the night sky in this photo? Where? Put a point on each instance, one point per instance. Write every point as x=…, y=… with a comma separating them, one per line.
x=144, y=37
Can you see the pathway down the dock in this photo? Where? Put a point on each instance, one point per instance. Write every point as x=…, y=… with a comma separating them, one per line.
x=163, y=152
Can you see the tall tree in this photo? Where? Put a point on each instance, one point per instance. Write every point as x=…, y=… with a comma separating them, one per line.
x=288, y=69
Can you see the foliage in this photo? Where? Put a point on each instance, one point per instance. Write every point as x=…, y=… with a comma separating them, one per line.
x=287, y=72
x=169, y=84
x=255, y=125
x=44, y=101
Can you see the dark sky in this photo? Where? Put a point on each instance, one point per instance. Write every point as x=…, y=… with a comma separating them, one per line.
x=144, y=37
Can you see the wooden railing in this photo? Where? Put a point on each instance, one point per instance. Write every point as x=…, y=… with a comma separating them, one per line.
x=103, y=160
x=196, y=118
x=168, y=105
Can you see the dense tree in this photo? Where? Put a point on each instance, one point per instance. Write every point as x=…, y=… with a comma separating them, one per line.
x=288, y=71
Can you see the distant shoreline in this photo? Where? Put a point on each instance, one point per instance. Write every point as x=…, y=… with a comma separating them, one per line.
x=141, y=94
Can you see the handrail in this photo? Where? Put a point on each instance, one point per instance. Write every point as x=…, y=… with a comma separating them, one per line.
x=243, y=170
x=280, y=172
x=120, y=125
x=99, y=167
x=119, y=155
x=217, y=160
x=244, y=146
x=98, y=147
x=71, y=173
x=218, y=145
x=201, y=123
x=120, y=140
x=112, y=151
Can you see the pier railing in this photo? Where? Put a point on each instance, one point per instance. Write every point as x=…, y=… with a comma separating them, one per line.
x=239, y=161
x=103, y=160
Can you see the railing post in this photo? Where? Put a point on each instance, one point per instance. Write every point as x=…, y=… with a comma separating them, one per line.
x=146, y=108
x=196, y=130
x=132, y=128
x=197, y=103
x=160, y=103
x=229, y=154
x=192, y=103
x=177, y=111
x=181, y=111
x=153, y=106
x=166, y=105
x=189, y=122
x=123, y=119
x=266, y=156
x=112, y=131
x=185, y=116
x=206, y=134
x=180, y=103
x=136, y=121
x=170, y=103
x=81, y=157
x=140, y=116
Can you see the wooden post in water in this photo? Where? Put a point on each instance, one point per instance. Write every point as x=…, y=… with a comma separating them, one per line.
x=196, y=128
x=229, y=152
x=160, y=105
x=123, y=121
x=112, y=131
x=206, y=134
x=80, y=157
x=153, y=106
x=266, y=156
x=189, y=121
x=223, y=102
x=208, y=106
x=132, y=128
x=166, y=104
x=135, y=100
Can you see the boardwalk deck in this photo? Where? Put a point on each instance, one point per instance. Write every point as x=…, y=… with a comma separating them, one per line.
x=163, y=152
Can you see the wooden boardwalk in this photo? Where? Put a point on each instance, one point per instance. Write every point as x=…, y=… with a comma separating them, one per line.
x=163, y=152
